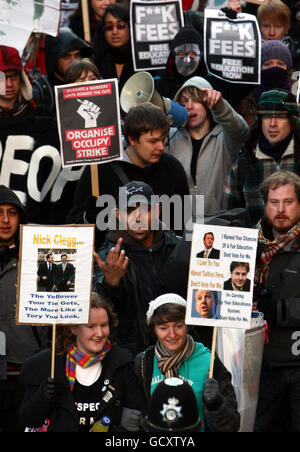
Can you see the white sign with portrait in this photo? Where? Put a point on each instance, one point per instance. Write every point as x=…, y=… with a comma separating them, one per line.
x=221, y=276
x=55, y=275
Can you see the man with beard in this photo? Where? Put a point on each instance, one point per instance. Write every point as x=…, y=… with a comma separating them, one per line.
x=272, y=144
x=129, y=263
x=278, y=297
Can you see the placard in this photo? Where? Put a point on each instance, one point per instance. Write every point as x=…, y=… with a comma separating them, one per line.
x=55, y=274
x=153, y=27
x=221, y=276
x=21, y=17
x=89, y=122
x=232, y=47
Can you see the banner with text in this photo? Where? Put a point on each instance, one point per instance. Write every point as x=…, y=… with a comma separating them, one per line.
x=232, y=47
x=221, y=276
x=153, y=27
x=89, y=122
x=19, y=18
x=55, y=275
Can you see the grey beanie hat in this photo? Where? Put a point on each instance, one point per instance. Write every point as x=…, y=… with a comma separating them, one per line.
x=276, y=50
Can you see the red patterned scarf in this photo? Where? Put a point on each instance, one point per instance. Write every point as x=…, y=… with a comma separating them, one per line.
x=272, y=248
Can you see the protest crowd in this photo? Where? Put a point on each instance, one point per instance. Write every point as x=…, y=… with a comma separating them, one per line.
x=228, y=148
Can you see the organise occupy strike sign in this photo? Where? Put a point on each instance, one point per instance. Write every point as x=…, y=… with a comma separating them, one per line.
x=89, y=122
x=55, y=274
x=232, y=47
x=153, y=27
x=221, y=276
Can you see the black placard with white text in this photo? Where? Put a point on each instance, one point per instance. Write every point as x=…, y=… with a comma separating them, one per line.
x=232, y=47
x=153, y=27
x=89, y=122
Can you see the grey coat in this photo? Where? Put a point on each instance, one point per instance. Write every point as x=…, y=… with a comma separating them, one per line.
x=219, y=149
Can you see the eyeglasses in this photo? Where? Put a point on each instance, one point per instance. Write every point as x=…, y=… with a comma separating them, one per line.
x=118, y=26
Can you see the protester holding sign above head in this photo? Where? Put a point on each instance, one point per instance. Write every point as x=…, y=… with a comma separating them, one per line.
x=185, y=61
x=209, y=143
x=112, y=47
x=273, y=143
x=177, y=355
x=93, y=379
x=145, y=129
x=35, y=174
x=278, y=297
x=20, y=341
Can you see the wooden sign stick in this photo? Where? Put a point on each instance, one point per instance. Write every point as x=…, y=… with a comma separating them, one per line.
x=95, y=181
x=213, y=352
x=86, y=20
x=53, y=351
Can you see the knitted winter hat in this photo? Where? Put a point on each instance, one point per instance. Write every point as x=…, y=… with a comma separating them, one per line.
x=278, y=101
x=163, y=299
x=276, y=50
x=187, y=35
x=10, y=61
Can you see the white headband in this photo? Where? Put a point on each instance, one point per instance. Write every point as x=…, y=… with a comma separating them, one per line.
x=163, y=299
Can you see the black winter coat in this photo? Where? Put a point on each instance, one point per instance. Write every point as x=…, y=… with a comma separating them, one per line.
x=137, y=288
x=117, y=367
x=224, y=419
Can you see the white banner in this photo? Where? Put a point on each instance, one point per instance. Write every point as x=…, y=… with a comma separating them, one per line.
x=19, y=18
x=221, y=276
x=55, y=274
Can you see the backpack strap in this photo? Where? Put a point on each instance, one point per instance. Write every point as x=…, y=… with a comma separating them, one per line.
x=120, y=173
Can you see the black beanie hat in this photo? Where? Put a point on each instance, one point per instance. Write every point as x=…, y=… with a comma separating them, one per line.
x=187, y=35
x=7, y=196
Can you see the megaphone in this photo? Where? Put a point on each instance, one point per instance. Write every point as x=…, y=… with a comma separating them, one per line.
x=139, y=88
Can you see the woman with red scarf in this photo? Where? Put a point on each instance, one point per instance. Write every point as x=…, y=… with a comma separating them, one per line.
x=93, y=379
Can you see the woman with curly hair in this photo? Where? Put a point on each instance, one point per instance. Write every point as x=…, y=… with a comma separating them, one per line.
x=93, y=379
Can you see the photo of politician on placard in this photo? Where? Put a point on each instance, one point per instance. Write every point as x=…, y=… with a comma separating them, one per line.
x=209, y=251
x=238, y=277
x=206, y=304
x=56, y=270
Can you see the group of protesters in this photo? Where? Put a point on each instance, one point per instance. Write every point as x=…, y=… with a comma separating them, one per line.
x=239, y=150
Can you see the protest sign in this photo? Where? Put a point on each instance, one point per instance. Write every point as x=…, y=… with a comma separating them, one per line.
x=19, y=18
x=232, y=47
x=45, y=296
x=153, y=27
x=221, y=283
x=89, y=122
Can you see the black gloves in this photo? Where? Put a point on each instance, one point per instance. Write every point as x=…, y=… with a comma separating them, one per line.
x=230, y=13
x=211, y=395
x=49, y=390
